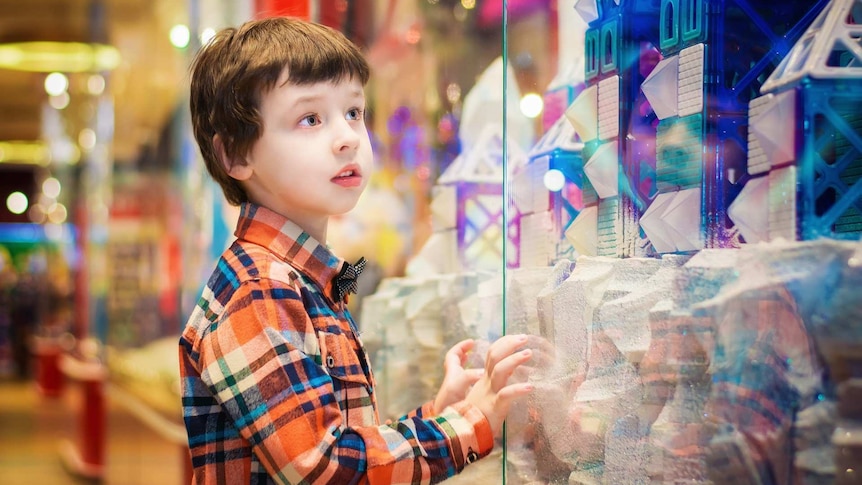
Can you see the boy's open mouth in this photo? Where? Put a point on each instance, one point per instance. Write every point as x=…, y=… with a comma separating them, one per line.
x=349, y=177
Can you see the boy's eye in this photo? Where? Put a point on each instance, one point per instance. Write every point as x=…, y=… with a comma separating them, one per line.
x=355, y=114
x=310, y=120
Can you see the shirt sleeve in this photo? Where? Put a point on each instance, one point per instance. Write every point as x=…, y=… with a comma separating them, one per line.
x=283, y=403
x=427, y=409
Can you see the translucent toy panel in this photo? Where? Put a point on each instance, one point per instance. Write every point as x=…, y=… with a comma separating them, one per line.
x=772, y=123
x=583, y=114
x=603, y=170
x=750, y=210
x=661, y=87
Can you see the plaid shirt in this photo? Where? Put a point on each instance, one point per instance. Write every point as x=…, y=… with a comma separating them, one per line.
x=276, y=385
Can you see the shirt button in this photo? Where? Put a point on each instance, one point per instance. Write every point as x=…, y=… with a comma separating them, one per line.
x=472, y=456
x=330, y=361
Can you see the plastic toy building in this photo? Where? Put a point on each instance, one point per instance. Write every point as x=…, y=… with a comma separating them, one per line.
x=467, y=209
x=597, y=115
x=470, y=221
x=616, y=121
x=805, y=138
x=714, y=56
x=549, y=192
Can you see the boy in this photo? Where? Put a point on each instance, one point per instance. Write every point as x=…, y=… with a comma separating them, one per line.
x=276, y=385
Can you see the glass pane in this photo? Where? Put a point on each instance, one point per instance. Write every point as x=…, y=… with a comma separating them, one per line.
x=432, y=222
x=546, y=193
x=669, y=347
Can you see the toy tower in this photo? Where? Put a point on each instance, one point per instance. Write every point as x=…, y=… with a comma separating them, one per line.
x=548, y=194
x=805, y=137
x=467, y=208
x=607, y=115
x=715, y=56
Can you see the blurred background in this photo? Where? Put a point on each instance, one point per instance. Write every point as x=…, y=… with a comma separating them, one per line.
x=109, y=224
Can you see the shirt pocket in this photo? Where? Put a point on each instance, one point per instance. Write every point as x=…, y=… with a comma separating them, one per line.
x=340, y=360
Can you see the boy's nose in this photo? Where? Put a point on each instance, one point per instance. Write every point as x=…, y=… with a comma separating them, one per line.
x=347, y=138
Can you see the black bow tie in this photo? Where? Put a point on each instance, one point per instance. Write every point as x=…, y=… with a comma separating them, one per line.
x=345, y=282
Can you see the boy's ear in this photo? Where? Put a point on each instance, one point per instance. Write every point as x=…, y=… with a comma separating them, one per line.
x=235, y=167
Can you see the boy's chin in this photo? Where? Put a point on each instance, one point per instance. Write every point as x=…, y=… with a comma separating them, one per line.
x=344, y=210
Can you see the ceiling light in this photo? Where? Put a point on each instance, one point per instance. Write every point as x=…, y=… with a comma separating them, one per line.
x=45, y=56
x=31, y=152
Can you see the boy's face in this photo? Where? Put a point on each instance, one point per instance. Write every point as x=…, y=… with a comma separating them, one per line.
x=314, y=158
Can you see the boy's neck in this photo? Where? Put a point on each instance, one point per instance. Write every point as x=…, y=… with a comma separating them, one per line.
x=315, y=228
x=318, y=233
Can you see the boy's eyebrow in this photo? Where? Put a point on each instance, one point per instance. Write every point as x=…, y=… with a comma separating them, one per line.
x=312, y=98
x=357, y=93
x=308, y=98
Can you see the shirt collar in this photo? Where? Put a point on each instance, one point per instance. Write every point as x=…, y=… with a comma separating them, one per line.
x=261, y=226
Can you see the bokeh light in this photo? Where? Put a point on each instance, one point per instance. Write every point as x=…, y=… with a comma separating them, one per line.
x=17, y=203
x=554, y=180
x=532, y=105
x=180, y=36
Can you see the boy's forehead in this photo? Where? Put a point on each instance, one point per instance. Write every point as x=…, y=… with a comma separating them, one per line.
x=350, y=82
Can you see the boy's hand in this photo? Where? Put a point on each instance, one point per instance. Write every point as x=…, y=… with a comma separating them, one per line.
x=456, y=380
x=492, y=393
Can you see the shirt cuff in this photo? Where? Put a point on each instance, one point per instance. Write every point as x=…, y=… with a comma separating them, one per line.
x=477, y=440
x=427, y=409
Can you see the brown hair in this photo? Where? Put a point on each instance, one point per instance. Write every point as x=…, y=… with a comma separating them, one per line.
x=231, y=72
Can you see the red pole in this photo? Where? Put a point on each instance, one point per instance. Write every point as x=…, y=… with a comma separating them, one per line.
x=49, y=379
x=87, y=457
x=93, y=424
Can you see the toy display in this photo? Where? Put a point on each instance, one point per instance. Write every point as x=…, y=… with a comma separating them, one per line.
x=686, y=369
x=693, y=268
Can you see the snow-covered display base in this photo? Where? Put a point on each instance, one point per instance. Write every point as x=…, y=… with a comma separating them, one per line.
x=726, y=366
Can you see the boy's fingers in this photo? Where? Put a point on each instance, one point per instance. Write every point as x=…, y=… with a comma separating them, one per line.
x=504, y=347
x=457, y=355
x=514, y=391
x=504, y=369
x=463, y=346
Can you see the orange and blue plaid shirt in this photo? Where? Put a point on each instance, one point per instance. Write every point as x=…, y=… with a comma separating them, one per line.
x=277, y=387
